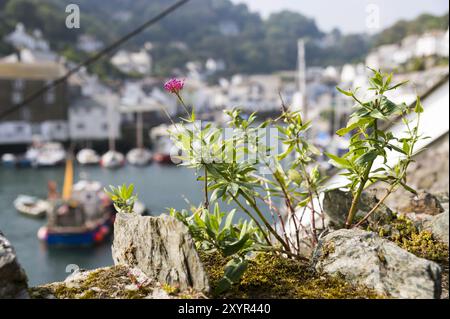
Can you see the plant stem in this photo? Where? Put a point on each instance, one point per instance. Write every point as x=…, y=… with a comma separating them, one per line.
x=252, y=217
x=362, y=185
x=206, y=203
x=266, y=223
x=381, y=201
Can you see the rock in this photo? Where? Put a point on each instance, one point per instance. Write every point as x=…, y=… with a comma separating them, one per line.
x=162, y=248
x=13, y=280
x=366, y=259
x=439, y=227
x=116, y=282
x=423, y=203
x=337, y=203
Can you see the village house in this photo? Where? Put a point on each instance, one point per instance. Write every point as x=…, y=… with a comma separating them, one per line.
x=139, y=62
x=45, y=116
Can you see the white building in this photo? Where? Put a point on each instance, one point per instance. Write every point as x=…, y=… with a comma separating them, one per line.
x=432, y=43
x=133, y=62
x=95, y=117
x=20, y=39
x=89, y=44
x=390, y=56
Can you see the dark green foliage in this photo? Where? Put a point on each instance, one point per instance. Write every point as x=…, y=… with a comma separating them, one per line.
x=123, y=198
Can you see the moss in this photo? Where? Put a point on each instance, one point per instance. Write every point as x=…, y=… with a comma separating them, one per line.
x=273, y=276
x=100, y=284
x=170, y=290
x=408, y=236
x=328, y=248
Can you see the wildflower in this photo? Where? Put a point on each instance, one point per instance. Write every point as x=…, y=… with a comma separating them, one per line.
x=174, y=86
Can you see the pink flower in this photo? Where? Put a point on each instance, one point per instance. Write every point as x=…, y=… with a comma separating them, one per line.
x=174, y=86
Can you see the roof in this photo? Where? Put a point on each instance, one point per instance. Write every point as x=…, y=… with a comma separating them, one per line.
x=31, y=71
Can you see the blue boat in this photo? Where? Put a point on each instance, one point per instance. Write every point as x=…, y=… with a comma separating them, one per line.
x=85, y=218
x=83, y=236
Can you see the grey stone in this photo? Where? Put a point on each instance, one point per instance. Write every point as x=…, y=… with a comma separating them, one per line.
x=162, y=248
x=439, y=226
x=13, y=280
x=337, y=203
x=366, y=259
x=123, y=282
x=423, y=203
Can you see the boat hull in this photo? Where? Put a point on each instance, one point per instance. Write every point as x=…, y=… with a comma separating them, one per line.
x=162, y=158
x=88, y=237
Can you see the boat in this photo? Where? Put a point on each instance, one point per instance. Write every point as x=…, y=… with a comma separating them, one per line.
x=84, y=216
x=88, y=156
x=9, y=160
x=43, y=155
x=140, y=208
x=50, y=154
x=112, y=159
x=32, y=206
x=139, y=157
x=163, y=145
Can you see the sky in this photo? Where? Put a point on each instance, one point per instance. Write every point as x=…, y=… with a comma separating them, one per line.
x=352, y=15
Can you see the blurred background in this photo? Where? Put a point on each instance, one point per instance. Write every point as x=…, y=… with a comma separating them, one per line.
x=240, y=53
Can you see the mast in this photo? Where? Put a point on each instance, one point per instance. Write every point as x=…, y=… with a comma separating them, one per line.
x=302, y=77
x=139, y=130
x=112, y=142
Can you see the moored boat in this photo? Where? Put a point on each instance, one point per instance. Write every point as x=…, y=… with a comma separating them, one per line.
x=9, y=160
x=139, y=157
x=50, y=154
x=84, y=219
x=83, y=216
x=88, y=156
x=112, y=159
x=32, y=206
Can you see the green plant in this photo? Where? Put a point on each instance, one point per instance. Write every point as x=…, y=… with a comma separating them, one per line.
x=239, y=166
x=122, y=197
x=368, y=143
x=213, y=232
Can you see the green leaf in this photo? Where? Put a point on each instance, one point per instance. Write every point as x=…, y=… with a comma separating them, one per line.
x=348, y=93
x=419, y=107
x=235, y=247
x=233, y=273
x=338, y=161
x=295, y=176
x=353, y=124
x=367, y=157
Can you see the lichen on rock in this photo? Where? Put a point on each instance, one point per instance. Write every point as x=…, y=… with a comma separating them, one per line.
x=116, y=282
x=364, y=258
x=162, y=248
x=13, y=280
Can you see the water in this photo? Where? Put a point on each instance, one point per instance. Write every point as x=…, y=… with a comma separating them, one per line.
x=159, y=187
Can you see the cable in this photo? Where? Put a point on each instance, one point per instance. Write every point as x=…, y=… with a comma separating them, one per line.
x=93, y=59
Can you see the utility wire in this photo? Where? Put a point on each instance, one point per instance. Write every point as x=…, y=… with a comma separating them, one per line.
x=93, y=58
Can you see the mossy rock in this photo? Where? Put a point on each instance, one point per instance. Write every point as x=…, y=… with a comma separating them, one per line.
x=273, y=276
x=406, y=234
x=116, y=282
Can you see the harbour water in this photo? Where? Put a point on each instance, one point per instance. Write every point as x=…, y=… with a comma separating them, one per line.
x=159, y=187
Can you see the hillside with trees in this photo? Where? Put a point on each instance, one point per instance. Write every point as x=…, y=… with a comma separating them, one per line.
x=202, y=29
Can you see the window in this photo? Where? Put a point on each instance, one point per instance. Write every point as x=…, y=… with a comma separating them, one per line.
x=105, y=126
x=80, y=126
x=16, y=97
x=49, y=97
x=19, y=84
x=19, y=129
